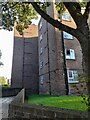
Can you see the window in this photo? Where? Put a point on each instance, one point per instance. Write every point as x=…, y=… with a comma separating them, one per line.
x=40, y=37
x=41, y=65
x=41, y=80
x=66, y=16
x=72, y=76
x=40, y=25
x=67, y=35
x=70, y=54
x=41, y=51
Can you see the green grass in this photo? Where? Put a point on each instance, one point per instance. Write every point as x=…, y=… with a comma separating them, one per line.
x=68, y=102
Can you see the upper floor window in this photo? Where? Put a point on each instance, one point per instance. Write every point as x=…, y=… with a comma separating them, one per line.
x=66, y=16
x=70, y=54
x=41, y=80
x=41, y=50
x=40, y=25
x=41, y=65
x=40, y=37
x=72, y=76
x=67, y=35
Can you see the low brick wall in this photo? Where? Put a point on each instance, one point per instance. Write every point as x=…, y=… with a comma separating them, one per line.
x=8, y=92
x=35, y=112
x=20, y=97
x=19, y=109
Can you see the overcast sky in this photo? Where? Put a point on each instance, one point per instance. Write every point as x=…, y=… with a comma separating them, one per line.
x=6, y=46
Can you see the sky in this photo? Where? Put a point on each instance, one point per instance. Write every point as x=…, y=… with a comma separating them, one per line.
x=6, y=47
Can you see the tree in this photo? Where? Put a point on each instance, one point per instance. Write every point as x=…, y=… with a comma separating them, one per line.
x=19, y=13
x=2, y=80
x=12, y=12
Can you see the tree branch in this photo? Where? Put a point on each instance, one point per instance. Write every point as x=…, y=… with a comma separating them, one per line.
x=14, y=5
x=87, y=9
x=55, y=23
x=75, y=11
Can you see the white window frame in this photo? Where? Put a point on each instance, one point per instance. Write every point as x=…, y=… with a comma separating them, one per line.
x=40, y=37
x=66, y=16
x=72, y=54
x=74, y=78
x=67, y=36
x=41, y=64
x=40, y=25
x=41, y=80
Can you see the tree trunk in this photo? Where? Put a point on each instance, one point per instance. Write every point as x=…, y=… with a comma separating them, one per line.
x=86, y=65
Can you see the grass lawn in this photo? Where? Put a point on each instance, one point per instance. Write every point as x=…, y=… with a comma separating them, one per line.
x=68, y=102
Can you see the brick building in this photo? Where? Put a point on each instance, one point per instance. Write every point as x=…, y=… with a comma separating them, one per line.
x=25, y=60
x=51, y=73
x=51, y=60
x=43, y=45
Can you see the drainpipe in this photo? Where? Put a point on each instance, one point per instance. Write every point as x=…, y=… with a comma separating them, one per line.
x=64, y=57
x=65, y=67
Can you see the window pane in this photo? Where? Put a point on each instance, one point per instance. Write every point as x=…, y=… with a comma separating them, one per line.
x=70, y=74
x=72, y=54
x=40, y=37
x=66, y=16
x=68, y=52
x=67, y=35
x=41, y=79
x=40, y=25
x=41, y=64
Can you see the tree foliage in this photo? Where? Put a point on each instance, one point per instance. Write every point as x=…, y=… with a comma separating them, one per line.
x=2, y=80
x=19, y=13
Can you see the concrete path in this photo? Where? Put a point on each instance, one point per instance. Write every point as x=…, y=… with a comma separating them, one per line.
x=4, y=105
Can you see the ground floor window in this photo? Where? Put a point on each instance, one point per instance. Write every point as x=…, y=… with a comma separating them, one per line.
x=41, y=79
x=72, y=76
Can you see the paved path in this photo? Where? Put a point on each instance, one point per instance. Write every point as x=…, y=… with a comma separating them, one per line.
x=4, y=104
